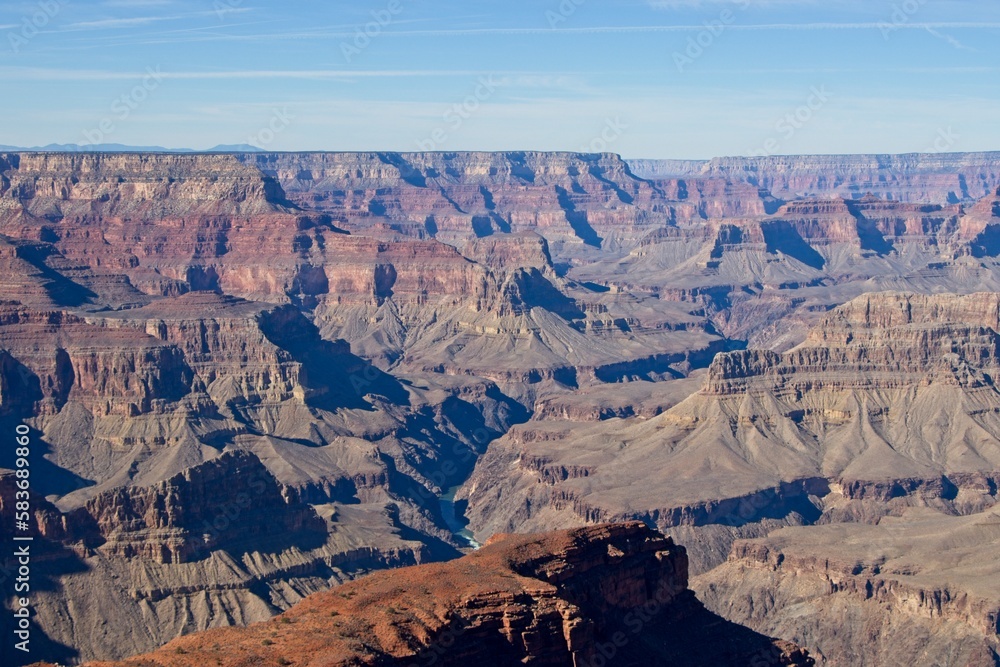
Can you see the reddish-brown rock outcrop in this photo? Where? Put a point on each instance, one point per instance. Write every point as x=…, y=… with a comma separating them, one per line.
x=611, y=594
x=165, y=221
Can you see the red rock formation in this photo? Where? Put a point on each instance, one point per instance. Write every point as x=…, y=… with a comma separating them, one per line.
x=506, y=252
x=371, y=270
x=608, y=594
x=110, y=372
x=163, y=220
x=455, y=196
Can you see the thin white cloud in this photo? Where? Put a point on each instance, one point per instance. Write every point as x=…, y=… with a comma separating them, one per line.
x=854, y=70
x=41, y=74
x=743, y=4
x=137, y=3
x=326, y=34
x=315, y=74
x=144, y=20
x=120, y=23
x=544, y=81
x=870, y=25
x=950, y=40
x=699, y=27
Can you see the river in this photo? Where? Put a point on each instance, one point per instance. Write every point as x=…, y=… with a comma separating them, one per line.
x=456, y=522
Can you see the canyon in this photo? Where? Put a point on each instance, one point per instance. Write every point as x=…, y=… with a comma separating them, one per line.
x=611, y=594
x=252, y=378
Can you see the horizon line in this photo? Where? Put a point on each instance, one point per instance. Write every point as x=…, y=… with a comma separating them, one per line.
x=224, y=149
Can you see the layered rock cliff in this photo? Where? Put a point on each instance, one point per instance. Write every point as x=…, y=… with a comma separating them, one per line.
x=890, y=401
x=884, y=340
x=571, y=199
x=931, y=178
x=222, y=543
x=613, y=594
x=164, y=221
x=173, y=521
x=917, y=589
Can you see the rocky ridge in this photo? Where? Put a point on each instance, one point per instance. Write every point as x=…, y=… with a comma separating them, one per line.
x=220, y=543
x=890, y=397
x=915, y=589
x=929, y=178
x=613, y=593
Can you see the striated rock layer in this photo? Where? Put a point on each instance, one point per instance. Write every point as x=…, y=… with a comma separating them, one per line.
x=916, y=589
x=610, y=594
x=890, y=400
x=930, y=178
x=222, y=543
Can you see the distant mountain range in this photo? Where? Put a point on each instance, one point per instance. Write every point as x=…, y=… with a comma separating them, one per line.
x=122, y=148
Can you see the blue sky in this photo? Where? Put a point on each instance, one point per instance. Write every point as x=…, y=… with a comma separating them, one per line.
x=644, y=78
